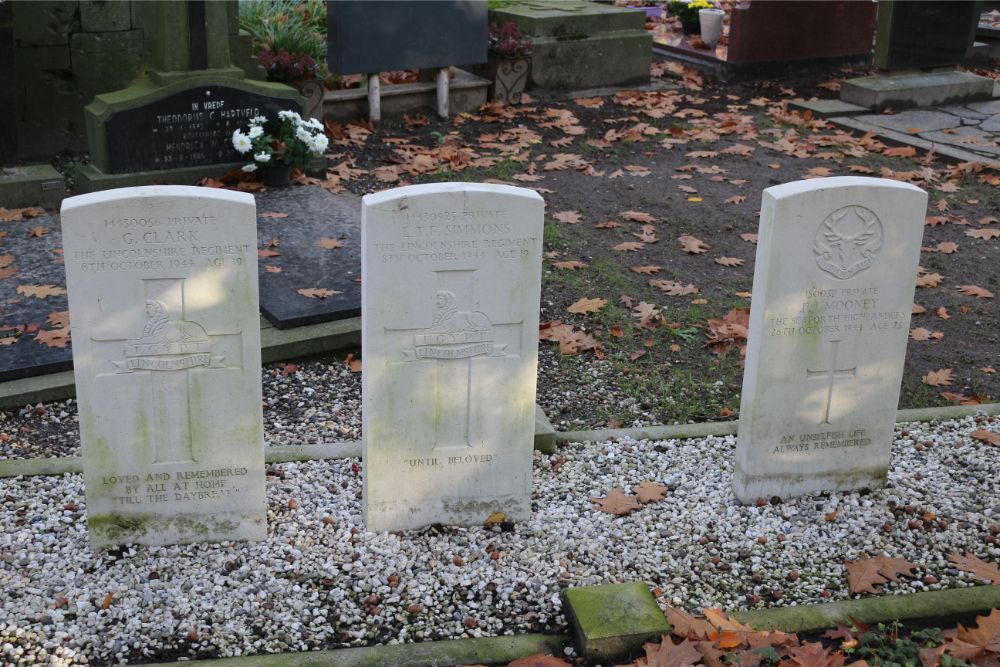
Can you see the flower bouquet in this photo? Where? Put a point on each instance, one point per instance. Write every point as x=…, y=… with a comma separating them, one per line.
x=292, y=142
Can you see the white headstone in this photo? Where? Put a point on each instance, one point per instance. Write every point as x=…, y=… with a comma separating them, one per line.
x=832, y=296
x=166, y=352
x=451, y=280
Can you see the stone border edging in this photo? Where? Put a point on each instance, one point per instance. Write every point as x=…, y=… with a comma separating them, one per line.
x=706, y=429
x=352, y=448
x=480, y=650
x=944, y=604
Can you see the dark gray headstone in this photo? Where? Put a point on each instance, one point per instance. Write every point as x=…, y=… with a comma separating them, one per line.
x=189, y=128
x=365, y=36
x=8, y=103
x=919, y=34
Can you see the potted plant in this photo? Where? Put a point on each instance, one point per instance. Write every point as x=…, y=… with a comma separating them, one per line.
x=687, y=13
x=509, y=63
x=291, y=142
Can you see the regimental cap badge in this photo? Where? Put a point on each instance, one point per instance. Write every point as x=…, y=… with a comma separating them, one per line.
x=847, y=241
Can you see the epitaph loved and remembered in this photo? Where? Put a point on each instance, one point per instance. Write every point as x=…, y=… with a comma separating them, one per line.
x=166, y=351
x=832, y=297
x=451, y=280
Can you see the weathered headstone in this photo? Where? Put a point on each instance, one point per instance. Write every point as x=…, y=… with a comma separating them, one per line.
x=924, y=33
x=166, y=350
x=451, y=280
x=832, y=296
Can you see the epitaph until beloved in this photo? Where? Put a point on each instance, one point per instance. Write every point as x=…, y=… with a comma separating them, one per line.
x=451, y=280
x=166, y=352
x=832, y=296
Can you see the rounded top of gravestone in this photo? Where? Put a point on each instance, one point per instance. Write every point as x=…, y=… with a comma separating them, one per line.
x=157, y=192
x=427, y=189
x=820, y=184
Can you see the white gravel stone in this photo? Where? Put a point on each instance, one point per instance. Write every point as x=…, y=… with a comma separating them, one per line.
x=320, y=580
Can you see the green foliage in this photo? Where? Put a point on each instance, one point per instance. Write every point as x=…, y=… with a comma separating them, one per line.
x=294, y=26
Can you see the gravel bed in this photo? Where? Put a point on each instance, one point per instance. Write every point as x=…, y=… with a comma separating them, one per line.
x=321, y=580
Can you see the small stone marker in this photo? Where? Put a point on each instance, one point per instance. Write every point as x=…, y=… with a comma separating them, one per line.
x=166, y=350
x=611, y=622
x=451, y=281
x=832, y=295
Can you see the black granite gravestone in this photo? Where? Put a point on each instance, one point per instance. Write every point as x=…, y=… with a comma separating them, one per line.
x=8, y=106
x=924, y=34
x=365, y=36
x=189, y=128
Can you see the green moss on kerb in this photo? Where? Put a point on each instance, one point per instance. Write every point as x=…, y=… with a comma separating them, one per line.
x=114, y=526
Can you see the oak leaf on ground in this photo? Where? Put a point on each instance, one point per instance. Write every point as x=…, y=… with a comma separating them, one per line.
x=607, y=224
x=629, y=246
x=693, y=245
x=920, y=333
x=976, y=291
x=866, y=573
x=988, y=572
x=650, y=492
x=267, y=252
x=646, y=269
x=58, y=319
x=929, y=280
x=986, y=436
x=647, y=314
x=735, y=199
x=329, y=244
x=275, y=215
x=983, y=233
x=730, y=261
x=748, y=237
x=942, y=312
x=53, y=337
x=40, y=291
x=587, y=305
x=638, y=216
x=316, y=292
x=978, y=644
x=570, y=265
x=616, y=502
x=271, y=268
x=671, y=288
x=938, y=378
x=668, y=654
x=569, y=217
x=728, y=331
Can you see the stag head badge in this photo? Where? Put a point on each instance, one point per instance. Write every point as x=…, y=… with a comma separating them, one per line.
x=848, y=241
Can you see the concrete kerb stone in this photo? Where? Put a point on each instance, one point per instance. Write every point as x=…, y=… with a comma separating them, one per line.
x=943, y=607
x=943, y=150
x=481, y=650
x=544, y=435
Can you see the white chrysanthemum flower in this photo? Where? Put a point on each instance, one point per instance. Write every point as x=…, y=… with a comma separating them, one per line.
x=262, y=157
x=249, y=167
x=241, y=142
x=314, y=124
x=319, y=144
x=255, y=131
x=290, y=115
x=258, y=120
x=303, y=135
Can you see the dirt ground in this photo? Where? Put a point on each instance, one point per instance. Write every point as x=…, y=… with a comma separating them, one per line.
x=695, y=159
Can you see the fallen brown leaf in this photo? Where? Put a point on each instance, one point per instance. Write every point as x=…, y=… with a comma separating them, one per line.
x=316, y=292
x=938, y=378
x=586, y=305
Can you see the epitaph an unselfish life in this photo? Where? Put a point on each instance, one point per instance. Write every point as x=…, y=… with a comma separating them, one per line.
x=166, y=352
x=451, y=280
x=832, y=296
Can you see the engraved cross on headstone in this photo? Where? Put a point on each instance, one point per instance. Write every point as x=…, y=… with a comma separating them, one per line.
x=460, y=339
x=830, y=375
x=172, y=352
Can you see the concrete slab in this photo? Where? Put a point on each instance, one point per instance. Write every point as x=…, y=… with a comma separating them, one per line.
x=926, y=120
x=827, y=108
x=613, y=621
x=989, y=108
x=944, y=150
x=964, y=112
x=31, y=185
x=916, y=89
